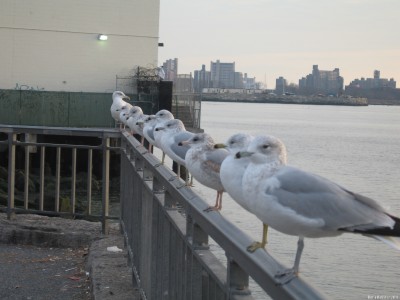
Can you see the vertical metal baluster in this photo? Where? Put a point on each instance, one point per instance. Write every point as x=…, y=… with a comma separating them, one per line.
x=105, y=183
x=42, y=161
x=26, y=185
x=58, y=178
x=73, y=181
x=12, y=137
x=237, y=281
x=89, y=182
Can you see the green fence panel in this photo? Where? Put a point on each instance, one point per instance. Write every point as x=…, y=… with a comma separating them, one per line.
x=10, y=107
x=90, y=110
x=44, y=108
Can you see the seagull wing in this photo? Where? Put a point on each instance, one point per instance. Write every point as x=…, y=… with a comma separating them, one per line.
x=180, y=151
x=214, y=159
x=312, y=197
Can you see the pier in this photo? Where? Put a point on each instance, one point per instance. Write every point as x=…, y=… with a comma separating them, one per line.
x=165, y=229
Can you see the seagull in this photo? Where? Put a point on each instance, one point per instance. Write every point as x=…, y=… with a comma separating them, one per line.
x=118, y=103
x=203, y=161
x=148, y=129
x=174, y=132
x=231, y=173
x=133, y=116
x=299, y=203
x=123, y=114
x=162, y=116
x=139, y=126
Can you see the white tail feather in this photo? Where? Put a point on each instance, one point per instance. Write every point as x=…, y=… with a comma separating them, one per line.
x=393, y=242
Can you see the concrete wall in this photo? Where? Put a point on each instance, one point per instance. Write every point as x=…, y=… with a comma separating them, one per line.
x=52, y=45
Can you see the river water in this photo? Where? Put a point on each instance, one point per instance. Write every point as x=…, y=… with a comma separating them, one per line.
x=357, y=147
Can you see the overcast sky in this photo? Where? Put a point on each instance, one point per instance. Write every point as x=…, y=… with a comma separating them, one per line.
x=271, y=38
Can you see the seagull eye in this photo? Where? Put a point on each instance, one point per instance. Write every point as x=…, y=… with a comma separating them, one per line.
x=195, y=139
x=265, y=146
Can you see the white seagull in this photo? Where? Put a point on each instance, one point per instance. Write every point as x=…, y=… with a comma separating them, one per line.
x=149, y=124
x=174, y=132
x=204, y=161
x=124, y=114
x=232, y=170
x=299, y=203
x=117, y=104
x=140, y=126
x=162, y=116
x=134, y=115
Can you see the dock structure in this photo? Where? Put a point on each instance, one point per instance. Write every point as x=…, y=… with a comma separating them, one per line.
x=166, y=231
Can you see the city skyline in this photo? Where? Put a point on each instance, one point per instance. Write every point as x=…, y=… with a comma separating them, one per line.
x=269, y=39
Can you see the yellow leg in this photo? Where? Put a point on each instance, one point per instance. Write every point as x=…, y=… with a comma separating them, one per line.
x=260, y=245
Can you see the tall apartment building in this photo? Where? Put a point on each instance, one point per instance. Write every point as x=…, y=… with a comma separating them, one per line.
x=55, y=45
x=222, y=74
x=280, y=85
x=322, y=82
x=202, y=79
x=170, y=67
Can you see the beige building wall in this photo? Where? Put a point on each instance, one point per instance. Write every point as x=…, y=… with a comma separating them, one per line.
x=52, y=45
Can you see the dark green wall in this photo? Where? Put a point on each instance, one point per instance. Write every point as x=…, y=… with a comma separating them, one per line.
x=68, y=109
x=60, y=109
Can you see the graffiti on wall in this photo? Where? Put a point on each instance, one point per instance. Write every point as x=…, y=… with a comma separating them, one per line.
x=24, y=87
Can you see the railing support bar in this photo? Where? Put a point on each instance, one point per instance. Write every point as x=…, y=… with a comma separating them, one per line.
x=106, y=184
x=12, y=137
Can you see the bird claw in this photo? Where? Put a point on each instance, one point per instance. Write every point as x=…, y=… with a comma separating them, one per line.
x=254, y=246
x=211, y=208
x=285, y=276
x=172, y=178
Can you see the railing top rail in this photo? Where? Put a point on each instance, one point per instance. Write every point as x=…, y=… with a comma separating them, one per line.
x=260, y=265
x=71, y=131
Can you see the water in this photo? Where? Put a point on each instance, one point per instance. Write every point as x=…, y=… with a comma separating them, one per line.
x=357, y=147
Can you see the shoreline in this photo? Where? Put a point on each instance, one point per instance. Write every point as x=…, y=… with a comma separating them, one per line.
x=289, y=101
x=298, y=100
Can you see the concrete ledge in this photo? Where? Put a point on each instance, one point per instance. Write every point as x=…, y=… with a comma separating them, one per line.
x=45, y=231
x=110, y=276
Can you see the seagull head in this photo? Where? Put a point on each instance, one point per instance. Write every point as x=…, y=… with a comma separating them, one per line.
x=164, y=115
x=149, y=119
x=265, y=149
x=237, y=142
x=135, y=111
x=120, y=95
x=174, y=125
x=199, y=139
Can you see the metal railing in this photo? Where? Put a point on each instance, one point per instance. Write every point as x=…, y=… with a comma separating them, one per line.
x=17, y=137
x=167, y=235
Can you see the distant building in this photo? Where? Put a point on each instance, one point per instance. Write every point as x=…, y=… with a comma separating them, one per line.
x=202, y=79
x=280, y=85
x=374, y=88
x=372, y=83
x=223, y=75
x=322, y=82
x=171, y=69
x=249, y=83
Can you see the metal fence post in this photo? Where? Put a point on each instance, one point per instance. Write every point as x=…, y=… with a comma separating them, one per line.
x=12, y=137
x=237, y=281
x=105, y=184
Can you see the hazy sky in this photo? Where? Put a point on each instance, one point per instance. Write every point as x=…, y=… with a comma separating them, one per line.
x=271, y=38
